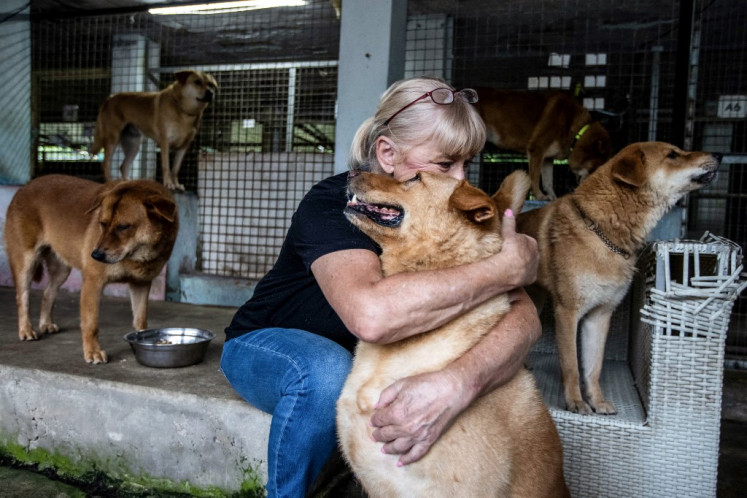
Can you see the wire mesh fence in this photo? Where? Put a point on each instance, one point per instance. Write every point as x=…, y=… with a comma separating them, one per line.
x=270, y=132
x=266, y=138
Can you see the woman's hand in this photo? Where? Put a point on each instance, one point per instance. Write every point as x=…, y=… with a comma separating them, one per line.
x=415, y=411
x=519, y=257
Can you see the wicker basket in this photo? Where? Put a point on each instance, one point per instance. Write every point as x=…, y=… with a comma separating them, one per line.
x=663, y=370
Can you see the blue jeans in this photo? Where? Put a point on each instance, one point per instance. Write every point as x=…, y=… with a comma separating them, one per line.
x=297, y=377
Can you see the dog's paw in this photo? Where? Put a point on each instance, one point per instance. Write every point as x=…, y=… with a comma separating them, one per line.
x=96, y=357
x=27, y=334
x=366, y=400
x=578, y=406
x=173, y=185
x=48, y=328
x=604, y=407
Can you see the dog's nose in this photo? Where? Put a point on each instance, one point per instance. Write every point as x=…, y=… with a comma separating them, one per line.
x=717, y=156
x=99, y=255
x=209, y=95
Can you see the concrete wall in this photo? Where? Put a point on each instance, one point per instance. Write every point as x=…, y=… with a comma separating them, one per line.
x=15, y=99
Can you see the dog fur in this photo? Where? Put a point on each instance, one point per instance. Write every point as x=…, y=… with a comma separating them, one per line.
x=121, y=231
x=171, y=117
x=506, y=443
x=546, y=126
x=586, y=276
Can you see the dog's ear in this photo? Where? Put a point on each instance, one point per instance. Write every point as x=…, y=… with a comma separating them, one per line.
x=105, y=190
x=161, y=206
x=630, y=169
x=473, y=202
x=182, y=76
x=96, y=204
x=513, y=192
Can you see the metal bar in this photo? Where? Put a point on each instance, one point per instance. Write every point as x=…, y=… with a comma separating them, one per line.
x=653, y=105
x=682, y=72
x=249, y=66
x=291, y=109
x=719, y=196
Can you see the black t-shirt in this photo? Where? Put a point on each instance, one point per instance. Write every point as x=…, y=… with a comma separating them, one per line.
x=289, y=296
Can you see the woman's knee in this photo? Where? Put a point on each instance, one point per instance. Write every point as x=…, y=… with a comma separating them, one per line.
x=330, y=370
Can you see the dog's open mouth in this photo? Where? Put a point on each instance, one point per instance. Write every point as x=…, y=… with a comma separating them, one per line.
x=705, y=178
x=382, y=214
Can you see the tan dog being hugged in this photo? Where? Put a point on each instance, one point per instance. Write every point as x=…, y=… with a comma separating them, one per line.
x=171, y=117
x=505, y=443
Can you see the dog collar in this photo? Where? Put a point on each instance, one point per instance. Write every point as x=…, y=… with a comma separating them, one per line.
x=578, y=135
x=598, y=231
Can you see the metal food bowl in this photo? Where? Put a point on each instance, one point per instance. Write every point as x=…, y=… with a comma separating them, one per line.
x=169, y=347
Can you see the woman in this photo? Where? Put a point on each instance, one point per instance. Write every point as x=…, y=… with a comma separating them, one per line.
x=288, y=349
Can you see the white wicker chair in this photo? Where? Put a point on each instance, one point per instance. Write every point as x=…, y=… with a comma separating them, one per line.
x=663, y=371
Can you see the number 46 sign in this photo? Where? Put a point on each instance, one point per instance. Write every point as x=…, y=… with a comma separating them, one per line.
x=732, y=106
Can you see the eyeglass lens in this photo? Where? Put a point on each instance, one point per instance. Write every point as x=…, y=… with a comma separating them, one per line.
x=442, y=96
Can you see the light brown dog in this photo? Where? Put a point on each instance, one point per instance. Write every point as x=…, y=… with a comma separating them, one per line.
x=171, y=117
x=121, y=231
x=506, y=443
x=588, y=241
x=546, y=126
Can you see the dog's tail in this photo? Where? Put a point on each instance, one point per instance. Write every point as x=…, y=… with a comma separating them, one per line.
x=98, y=132
x=97, y=143
x=38, y=272
x=512, y=192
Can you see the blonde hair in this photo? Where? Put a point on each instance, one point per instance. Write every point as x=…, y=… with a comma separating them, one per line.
x=456, y=128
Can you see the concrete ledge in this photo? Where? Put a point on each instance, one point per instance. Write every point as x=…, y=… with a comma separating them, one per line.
x=134, y=433
x=180, y=429
x=214, y=290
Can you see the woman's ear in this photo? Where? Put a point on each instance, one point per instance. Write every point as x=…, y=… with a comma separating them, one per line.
x=386, y=154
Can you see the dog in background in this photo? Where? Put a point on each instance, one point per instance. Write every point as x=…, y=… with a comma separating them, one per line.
x=506, y=443
x=171, y=117
x=121, y=231
x=588, y=241
x=546, y=126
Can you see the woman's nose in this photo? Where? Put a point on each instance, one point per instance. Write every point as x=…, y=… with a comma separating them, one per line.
x=458, y=172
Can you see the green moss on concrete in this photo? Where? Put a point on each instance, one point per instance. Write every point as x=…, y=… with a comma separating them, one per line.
x=88, y=475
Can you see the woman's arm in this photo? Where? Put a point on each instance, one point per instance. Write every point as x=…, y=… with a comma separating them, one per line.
x=381, y=310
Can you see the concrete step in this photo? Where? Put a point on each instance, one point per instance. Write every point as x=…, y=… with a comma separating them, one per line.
x=180, y=429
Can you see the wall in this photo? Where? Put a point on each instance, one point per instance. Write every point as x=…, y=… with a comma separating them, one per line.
x=15, y=99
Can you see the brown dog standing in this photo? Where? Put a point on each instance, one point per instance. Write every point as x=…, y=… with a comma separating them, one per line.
x=547, y=126
x=505, y=443
x=121, y=231
x=588, y=242
x=171, y=117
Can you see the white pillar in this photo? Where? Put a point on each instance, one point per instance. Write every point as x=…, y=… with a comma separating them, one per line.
x=372, y=54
